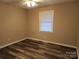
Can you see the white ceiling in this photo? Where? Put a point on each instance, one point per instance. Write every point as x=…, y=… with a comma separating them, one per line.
x=39, y=2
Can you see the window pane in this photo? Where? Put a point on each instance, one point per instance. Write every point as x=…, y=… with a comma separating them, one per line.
x=46, y=21
x=46, y=27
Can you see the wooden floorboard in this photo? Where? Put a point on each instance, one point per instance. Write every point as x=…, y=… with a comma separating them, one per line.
x=33, y=49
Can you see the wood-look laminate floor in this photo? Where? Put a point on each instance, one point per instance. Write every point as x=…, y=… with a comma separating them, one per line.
x=33, y=49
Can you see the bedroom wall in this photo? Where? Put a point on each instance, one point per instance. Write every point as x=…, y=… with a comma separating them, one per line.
x=13, y=23
x=78, y=39
x=78, y=31
x=65, y=23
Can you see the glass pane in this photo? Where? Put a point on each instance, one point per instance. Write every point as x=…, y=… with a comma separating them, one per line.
x=46, y=20
x=46, y=27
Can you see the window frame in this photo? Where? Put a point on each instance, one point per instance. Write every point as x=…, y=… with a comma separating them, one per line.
x=52, y=27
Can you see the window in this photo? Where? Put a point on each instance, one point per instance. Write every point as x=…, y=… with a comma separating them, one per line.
x=46, y=21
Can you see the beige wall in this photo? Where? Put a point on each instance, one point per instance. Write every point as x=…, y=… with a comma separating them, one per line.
x=78, y=31
x=13, y=23
x=65, y=24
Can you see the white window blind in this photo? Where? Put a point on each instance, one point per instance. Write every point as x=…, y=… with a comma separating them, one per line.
x=46, y=21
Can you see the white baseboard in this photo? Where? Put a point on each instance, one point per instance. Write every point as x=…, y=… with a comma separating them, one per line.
x=11, y=43
x=53, y=42
x=38, y=40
